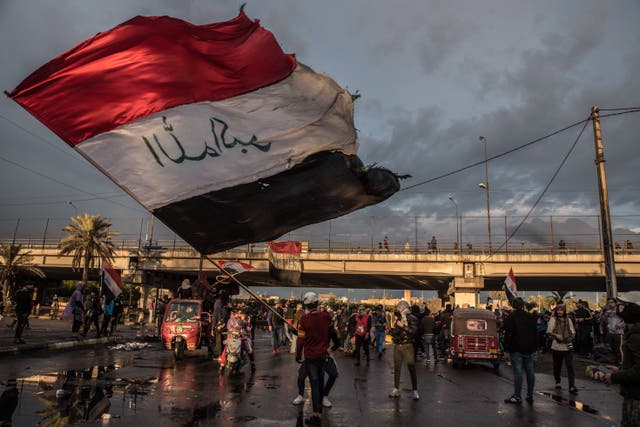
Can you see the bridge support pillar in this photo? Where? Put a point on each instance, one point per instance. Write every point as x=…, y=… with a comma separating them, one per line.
x=465, y=290
x=407, y=295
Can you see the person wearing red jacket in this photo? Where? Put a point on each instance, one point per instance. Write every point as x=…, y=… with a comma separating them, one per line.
x=363, y=326
x=313, y=343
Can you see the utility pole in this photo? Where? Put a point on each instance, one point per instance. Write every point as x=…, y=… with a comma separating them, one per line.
x=485, y=186
x=605, y=218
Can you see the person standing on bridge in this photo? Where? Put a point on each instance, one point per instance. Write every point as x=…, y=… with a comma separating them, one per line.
x=628, y=376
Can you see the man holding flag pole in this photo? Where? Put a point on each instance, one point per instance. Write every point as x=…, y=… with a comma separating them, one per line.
x=520, y=335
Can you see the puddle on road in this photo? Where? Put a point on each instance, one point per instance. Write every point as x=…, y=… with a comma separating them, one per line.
x=72, y=396
x=100, y=393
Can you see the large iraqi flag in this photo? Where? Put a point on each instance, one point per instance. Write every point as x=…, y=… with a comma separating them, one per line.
x=212, y=128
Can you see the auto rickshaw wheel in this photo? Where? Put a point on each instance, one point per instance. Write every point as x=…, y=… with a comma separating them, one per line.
x=178, y=350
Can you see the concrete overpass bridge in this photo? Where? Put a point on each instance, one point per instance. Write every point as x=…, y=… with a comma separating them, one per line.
x=461, y=274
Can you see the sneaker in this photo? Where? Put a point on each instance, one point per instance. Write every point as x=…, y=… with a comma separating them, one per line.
x=326, y=402
x=394, y=393
x=573, y=390
x=380, y=355
x=298, y=400
x=313, y=420
x=530, y=399
x=274, y=352
x=516, y=400
x=415, y=395
x=558, y=386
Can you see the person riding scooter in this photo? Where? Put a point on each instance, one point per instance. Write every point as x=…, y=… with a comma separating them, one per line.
x=237, y=324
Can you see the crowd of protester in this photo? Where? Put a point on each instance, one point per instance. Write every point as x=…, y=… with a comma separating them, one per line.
x=417, y=335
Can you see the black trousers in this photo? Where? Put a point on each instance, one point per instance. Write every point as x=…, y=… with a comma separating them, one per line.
x=22, y=322
x=361, y=342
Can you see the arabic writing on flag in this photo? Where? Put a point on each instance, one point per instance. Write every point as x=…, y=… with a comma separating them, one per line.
x=111, y=281
x=285, y=264
x=195, y=120
x=510, y=286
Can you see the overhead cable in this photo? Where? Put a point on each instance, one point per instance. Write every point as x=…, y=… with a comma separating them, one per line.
x=542, y=138
x=515, y=230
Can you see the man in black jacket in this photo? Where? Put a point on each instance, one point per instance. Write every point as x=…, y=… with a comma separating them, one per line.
x=628, y=376
x=23, y=309
x=520, y=341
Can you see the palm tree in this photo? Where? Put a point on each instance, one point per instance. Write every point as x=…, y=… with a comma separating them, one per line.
x=89, y=239
x=12, y=262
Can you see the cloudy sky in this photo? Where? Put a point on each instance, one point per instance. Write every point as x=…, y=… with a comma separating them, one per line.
x=434, y=76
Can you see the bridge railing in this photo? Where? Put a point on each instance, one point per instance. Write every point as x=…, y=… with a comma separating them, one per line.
x=374, y=234
x=168, y=248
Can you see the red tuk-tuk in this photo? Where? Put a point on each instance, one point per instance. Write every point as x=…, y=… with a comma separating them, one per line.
x=186, y=326
x=474, y=336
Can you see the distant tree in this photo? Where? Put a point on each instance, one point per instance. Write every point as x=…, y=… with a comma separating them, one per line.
x=89, y=240
x=14, y=261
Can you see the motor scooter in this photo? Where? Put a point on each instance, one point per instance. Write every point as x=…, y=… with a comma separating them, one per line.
x=235, y=355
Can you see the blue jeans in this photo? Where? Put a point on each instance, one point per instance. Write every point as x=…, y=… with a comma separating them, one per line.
x=379, y=340
x=518, y=361
x=277, y=336
x=315, y=370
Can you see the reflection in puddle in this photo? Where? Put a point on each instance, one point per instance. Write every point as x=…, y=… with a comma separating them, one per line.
x=569, y=402
x=102, y=393
x=73, y=396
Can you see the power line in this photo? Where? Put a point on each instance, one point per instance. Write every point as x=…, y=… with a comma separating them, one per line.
x=542, y=138
x=52, y=145
x=61, y=182
x=618, y=109
x=622, y=111
x=63, y=202
x=545, y=189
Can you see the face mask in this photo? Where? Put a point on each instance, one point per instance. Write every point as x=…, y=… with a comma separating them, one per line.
x=629, y=313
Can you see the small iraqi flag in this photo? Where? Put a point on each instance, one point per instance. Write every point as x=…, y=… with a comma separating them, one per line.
x=235, y=267
x=111, y=281
x=510, y=286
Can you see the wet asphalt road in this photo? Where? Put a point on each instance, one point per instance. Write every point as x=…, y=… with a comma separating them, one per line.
x=148, y=388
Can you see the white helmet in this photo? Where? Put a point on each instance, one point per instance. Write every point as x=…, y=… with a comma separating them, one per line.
x=310, y=298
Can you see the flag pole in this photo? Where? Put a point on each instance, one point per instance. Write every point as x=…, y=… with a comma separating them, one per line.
x=250, y=292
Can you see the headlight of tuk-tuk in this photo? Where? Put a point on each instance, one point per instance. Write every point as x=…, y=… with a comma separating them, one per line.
x=178, y=329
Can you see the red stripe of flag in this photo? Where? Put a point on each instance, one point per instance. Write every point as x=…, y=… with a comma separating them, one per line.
x=147, y=65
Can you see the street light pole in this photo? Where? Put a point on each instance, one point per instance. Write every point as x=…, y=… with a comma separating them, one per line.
x=457, y=222
x=485, y=185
